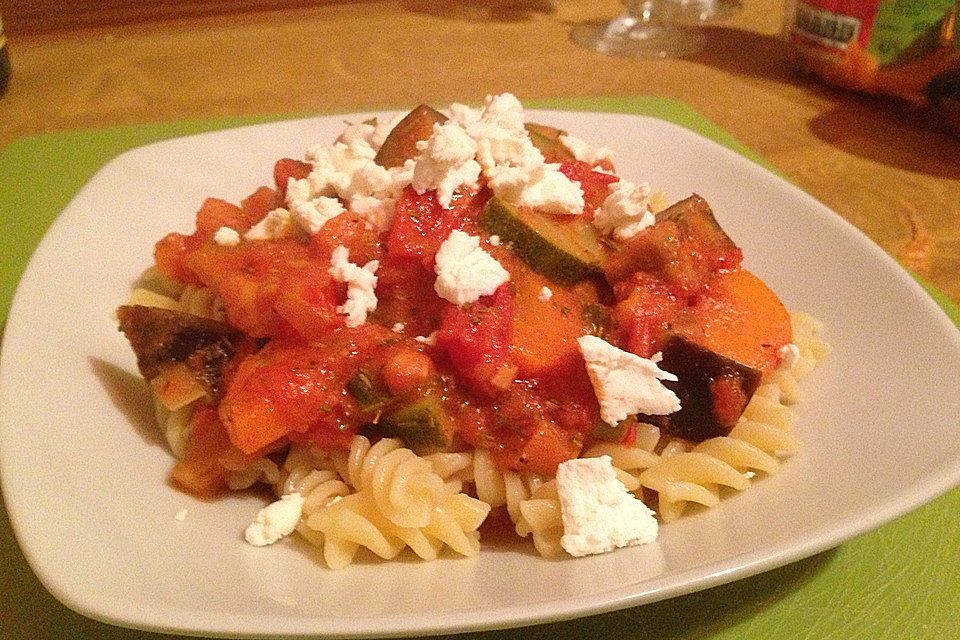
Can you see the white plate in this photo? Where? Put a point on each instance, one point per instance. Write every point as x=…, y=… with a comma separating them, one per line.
x=83, y=469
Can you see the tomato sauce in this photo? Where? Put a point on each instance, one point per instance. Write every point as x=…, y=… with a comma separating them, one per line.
x=503, y=373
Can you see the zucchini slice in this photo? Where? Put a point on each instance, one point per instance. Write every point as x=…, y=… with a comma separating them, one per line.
x=370, y=396
x=424, y=425
x=547, y=140
x=564, y=250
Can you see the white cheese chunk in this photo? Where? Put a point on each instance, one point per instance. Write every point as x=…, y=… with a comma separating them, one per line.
x=625, y=212
x=598, y=513
x=624, y=383
x=335, y=166
x=583, y=150
x=430, y=340
x=226, y=237
x=361, y=286
x=446, y=162
x=278, y=223
x=789, y=356
x=505, y=111
x=308, y=211
x=276, y=520
x=377, y=212
x=372, y=133
x=546, y=293
x=465, y=272
x=552, y=192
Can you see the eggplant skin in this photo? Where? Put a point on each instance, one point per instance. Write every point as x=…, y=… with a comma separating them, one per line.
x=705, y=412
x=161, y=337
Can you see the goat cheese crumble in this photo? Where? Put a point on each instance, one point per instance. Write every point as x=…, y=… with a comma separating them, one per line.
x=583, y=150
x=597, y=511
x=361, y=285
x=465, y=272
x=789, y=356
x=625, y=383
x=446, y=162
x=275, y=521
x=278, y=223
x=625, y=212
x=226, y=237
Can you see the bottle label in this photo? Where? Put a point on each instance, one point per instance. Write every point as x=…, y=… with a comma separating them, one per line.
x=815, y=23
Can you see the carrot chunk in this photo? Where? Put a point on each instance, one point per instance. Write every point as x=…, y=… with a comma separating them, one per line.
x=742, y=319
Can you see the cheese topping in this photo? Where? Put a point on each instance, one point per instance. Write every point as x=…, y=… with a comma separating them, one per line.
x=465, y=271
x=625, y=212
x=625, y=383
x=598, y=513
x=361, y=285
x=276, y=224
x=446, y=162
x=275, y=521
x=583, y=150
x=226, y=237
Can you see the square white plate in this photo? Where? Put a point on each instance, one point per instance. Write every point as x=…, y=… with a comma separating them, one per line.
x=84, y=471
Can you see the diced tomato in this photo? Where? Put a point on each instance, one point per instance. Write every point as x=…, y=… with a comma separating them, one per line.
x=286, y=168
x=420, y=224
x=405, y=369
x=215, y=213
x=248, y=278
x=595, y=184
x=646, y=313
x=351, y=231
x=171, y=255
x=546, y=447
x=476, y=339
x=257, y=205
x=405, y=295
x=307, y=300
x=520, y=431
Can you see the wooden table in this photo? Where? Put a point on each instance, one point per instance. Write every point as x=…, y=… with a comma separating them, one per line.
x=891, y=169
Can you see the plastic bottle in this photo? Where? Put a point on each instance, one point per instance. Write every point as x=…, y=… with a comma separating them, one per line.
x=891, y=47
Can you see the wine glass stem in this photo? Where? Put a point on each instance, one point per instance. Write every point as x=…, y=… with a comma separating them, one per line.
x=642, y=10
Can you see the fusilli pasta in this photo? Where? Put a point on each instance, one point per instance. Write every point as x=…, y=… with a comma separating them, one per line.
x=382, y=497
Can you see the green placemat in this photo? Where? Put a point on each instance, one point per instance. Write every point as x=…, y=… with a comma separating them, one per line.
x=900, y=582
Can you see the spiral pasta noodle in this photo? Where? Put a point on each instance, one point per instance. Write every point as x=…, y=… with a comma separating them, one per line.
x=156, y=290
x=382, y=497
x=201, y=301
x=454, y=467
x=175, y=426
